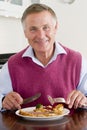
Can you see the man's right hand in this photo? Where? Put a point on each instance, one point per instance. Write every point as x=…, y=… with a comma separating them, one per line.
x=12, y=101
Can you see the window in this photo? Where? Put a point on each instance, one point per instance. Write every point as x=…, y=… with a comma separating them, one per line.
x=17, y=2
x=13, y=8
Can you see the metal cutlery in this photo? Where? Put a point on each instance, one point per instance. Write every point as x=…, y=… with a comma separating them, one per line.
x=59, y=100
x=31, y=99
x=62, y=100
x=55, y=100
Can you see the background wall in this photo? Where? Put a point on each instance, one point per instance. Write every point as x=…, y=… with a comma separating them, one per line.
x=11, y=35
x=72, y=30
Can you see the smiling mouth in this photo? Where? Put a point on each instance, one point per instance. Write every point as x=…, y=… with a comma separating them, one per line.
x=41, y=41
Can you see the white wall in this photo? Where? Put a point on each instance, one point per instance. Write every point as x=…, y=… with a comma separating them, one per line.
x=72, y=27
x=72, y=24
x=11, y=35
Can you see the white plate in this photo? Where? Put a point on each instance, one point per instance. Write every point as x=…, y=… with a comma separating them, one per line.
x=66, y=112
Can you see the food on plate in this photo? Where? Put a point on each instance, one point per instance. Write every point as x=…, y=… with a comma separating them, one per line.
x=44, y=111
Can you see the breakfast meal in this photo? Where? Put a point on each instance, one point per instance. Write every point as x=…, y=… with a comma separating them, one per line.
x=44, y=111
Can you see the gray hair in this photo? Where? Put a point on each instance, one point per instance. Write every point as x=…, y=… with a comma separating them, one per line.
x=36, y=8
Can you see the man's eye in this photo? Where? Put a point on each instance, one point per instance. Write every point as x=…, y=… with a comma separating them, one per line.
x=33, y=29
x=46, y=28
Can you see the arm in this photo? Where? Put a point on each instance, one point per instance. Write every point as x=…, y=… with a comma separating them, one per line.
x=12, y=99
x=77, y=98
x=5, y=83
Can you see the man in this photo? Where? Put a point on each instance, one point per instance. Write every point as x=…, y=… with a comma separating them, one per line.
x=45, y=66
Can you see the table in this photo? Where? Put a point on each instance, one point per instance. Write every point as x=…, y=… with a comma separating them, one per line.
x=76, y=121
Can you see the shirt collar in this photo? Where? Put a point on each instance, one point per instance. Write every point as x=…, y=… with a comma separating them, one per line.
x=58, y=50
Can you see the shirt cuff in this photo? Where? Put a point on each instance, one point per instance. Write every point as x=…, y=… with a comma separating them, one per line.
x=1, y=98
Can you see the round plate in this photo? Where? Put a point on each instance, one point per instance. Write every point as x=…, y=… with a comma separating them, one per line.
x=66, y=112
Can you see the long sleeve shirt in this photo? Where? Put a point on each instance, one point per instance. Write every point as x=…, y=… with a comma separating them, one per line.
x=5, y=79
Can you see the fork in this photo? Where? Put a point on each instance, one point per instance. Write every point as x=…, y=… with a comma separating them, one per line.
x=55, y=100
x=62, y=100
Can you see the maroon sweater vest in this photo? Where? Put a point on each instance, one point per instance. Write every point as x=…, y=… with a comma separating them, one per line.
x=58, y=79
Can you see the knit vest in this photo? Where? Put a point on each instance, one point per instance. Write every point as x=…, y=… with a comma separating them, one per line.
x=58, y=79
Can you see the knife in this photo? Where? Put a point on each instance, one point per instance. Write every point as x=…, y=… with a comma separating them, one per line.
x=31, y=99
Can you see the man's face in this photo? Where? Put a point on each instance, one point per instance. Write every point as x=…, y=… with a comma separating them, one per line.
x=40, y=30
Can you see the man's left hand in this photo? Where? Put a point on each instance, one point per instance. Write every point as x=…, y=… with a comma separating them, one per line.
x=76, y=99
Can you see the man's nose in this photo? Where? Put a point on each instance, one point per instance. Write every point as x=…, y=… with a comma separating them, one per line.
x=41, y=33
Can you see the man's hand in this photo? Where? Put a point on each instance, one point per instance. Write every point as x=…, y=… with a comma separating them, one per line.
x=12, y=101
x=76, y=99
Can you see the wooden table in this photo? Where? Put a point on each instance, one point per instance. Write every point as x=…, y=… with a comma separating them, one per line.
x=76, y=121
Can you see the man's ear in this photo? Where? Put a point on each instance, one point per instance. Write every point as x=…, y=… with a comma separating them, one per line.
x=56, y=26
x=25, y=33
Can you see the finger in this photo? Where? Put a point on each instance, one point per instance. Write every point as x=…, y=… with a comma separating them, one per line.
x=17, y=98
x=71, y=98
x=7, y=104
x=19, y=101
x=13, y=100
x=78, y=101
x=83, y=102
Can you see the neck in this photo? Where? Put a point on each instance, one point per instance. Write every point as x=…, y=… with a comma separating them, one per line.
x=44, y=57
